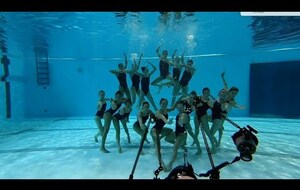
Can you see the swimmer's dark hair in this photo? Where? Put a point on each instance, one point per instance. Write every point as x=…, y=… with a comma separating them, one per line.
x=118, y=92
x=193, y=92
x=205, y=88
x=162, y=99
x=190, y=60
x=233, y=89
x=128, y=101
x=145, y=102
x=181, y=102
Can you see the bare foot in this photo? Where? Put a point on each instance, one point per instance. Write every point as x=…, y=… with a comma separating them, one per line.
x=120, y=150
x=164, y=166
x=184, y=149
x=104, y=150
x=213, y=151
x=159, y=89
x=168, y=168
x=218, y=144
x=199, y=152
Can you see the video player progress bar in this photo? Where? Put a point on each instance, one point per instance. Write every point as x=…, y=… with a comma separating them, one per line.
x=270, y=13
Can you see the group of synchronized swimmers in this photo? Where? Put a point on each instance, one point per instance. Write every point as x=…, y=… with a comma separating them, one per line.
x=186, y=103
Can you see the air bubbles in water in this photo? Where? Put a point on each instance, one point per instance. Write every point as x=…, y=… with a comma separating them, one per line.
x=190, y=41
x=134, y=56
x=190, y=37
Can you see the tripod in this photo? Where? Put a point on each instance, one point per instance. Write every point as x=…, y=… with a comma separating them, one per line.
x=214, y=173
x=140, y=149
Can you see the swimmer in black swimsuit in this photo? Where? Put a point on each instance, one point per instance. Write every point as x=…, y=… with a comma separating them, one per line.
x=121, y=76
x=108, y=114
x=140, y=125
x=122, y=116
x=178, y=138
x=135, y=79
x=187, y=102
x=158, y=131
x=164, y=64
x=220, y=107
x=177, y=64
x=233, y=92
x=187, y=76
x=101, y=107
x=145, y=89
x=203, y=103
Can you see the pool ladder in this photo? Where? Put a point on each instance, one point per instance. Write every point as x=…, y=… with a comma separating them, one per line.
x=42, y=68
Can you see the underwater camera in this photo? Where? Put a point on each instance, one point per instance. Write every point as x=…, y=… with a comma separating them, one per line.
x=246, y=142
x=153, y=117
x=182, y=170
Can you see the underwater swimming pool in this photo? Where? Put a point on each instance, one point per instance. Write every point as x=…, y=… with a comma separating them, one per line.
x=55, y=63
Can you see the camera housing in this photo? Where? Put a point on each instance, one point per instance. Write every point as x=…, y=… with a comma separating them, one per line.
x=182, y=170
x=197, y=100
x=245, y=142
x=153, y=117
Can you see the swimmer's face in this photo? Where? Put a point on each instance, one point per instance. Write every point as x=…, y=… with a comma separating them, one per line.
x=128, y=104
x=179, y=107
x=223, y=95
x=164, y=104
x=146, y=70
x=192, y=96
x=101, y=94
x=233, y=93
x=118, y=96
x=165, y=53
x=206, y=93
x=146, y=107
x=190, y=62
x=120, y=66
x=134, y=66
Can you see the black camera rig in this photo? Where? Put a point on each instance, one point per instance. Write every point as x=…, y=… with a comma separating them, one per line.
x=244, y=140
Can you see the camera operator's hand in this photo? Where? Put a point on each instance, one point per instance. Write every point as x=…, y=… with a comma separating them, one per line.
x=179, y=176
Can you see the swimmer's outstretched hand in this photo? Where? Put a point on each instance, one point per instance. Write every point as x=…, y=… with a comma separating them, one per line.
x=170, y=121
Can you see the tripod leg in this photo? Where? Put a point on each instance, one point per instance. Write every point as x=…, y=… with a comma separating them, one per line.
x=140, y=150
